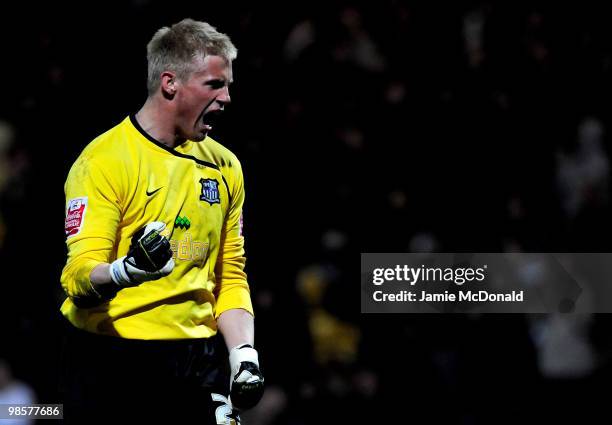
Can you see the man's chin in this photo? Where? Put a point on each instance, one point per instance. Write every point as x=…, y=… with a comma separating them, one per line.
x=199, y=137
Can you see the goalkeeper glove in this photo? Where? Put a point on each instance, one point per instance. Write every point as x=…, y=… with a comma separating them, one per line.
x=149, y=258
x=246, y=381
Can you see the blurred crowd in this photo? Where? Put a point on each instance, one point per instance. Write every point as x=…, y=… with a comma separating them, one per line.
x=388, y=126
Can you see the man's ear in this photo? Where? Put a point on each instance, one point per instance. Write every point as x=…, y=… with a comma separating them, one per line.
x=168, y=84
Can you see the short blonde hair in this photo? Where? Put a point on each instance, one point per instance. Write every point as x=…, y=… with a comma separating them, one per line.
x=175, y=48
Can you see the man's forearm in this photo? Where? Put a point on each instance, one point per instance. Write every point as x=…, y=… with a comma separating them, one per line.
x=102, y=289
x=237, y=326
x=102, y=282
x=246, y=380
x=100, y=275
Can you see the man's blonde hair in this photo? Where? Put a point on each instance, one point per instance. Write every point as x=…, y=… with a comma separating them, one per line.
x=175, y=48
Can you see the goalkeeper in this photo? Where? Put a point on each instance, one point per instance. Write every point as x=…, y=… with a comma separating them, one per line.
x=159, y=314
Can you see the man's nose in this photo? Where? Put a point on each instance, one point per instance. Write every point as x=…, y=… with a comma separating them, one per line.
x=224, y=96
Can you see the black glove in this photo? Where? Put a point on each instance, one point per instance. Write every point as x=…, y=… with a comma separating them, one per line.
x=149, y=258
x=246, y=382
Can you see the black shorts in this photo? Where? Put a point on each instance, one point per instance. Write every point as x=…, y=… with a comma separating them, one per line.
x=106, y=378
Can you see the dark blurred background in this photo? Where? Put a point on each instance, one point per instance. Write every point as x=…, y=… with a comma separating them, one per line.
x=387, y=126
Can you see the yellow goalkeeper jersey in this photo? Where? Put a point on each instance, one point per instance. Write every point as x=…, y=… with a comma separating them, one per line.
x=125, y=179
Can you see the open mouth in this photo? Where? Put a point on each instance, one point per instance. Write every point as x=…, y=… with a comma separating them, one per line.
x=209, y=119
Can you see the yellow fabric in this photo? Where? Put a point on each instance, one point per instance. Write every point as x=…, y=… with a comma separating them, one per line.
x=118, y=173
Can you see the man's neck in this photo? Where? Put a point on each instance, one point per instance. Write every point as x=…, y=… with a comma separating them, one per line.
x=156, y=120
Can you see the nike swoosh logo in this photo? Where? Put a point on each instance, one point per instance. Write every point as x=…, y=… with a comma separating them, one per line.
x=154, y=192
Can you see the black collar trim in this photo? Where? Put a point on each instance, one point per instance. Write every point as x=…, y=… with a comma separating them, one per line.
x=166, y=148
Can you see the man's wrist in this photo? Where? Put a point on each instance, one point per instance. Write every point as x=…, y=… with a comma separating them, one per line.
x=105, y=291
x=101, y=284
x=118, y=274
x=243, y=353
x=243, y=345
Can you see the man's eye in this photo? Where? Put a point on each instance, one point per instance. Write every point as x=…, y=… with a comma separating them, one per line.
x=216, y=84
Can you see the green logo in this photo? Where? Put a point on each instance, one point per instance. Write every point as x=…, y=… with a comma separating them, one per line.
x=182, y=222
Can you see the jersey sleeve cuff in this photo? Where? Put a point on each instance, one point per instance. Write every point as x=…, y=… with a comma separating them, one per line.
x=236, y=297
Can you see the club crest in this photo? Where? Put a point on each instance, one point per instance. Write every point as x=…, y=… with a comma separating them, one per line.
x=210, y=191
